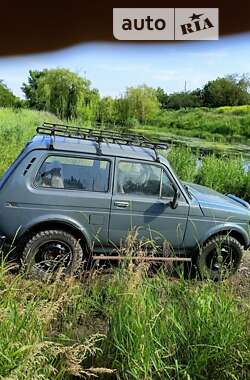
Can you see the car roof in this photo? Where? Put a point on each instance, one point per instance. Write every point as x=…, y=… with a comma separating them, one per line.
x=68, y=144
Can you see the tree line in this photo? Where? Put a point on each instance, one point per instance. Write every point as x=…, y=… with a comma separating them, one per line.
x=69, y=96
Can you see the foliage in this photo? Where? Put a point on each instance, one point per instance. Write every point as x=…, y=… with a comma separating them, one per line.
x=70, y=96
x=7, y=98
x=224, y=124
x=179, y=100
x=61, y=92
x=224, y=174
x=142, y=103
x=30, y=89
x=162, y=97
x=184, y=163
x=107, y=110
x=231, y=90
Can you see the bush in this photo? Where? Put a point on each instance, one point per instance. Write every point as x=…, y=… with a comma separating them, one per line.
x=224, y=174
x=184, y=163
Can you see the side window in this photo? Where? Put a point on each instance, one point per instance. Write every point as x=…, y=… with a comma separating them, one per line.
x=139, y=178
x=74, y=174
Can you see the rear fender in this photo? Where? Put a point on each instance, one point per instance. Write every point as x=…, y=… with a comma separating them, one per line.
x=50, y=222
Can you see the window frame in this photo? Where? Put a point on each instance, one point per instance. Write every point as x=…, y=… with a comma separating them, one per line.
x=163, y=170
x=75, y=156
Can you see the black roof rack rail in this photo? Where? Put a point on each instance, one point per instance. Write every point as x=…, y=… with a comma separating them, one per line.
x=100, y=135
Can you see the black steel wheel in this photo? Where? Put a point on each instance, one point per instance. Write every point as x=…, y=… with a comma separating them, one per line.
x=220, y=257
x=49, y=251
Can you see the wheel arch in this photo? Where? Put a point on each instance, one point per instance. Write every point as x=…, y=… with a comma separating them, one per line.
x=56, y=223
x=235, y=231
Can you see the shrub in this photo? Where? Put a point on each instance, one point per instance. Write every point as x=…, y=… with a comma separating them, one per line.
x=223, y=174
x=184, y=163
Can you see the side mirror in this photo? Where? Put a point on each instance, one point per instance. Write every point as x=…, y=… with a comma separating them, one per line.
x=174, y=202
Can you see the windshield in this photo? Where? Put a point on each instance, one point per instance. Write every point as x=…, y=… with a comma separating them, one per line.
x=182, y=184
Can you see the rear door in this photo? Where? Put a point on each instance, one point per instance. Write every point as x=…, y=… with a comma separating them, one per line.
x=61, y=187
x=141, y=201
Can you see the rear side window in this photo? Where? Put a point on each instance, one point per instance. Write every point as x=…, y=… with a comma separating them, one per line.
x=74, y=174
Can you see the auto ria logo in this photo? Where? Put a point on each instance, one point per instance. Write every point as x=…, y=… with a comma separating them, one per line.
x=166, y=23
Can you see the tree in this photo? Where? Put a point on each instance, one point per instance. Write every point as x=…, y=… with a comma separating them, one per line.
x=30, y=89
x=142, y=103
x=121, y=110
x=162, y=97
x=231, y=90
x=179, y=100
x=107, y=110
x=7, y=98
x=61, y=92
x=90, y=108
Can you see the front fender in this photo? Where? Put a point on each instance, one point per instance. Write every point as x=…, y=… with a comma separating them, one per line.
x=229, y=227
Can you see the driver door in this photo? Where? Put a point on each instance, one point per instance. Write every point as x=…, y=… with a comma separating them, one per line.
x=141, y=200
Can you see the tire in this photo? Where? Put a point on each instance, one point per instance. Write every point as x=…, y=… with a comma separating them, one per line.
x=220, y=258
x=49, y=251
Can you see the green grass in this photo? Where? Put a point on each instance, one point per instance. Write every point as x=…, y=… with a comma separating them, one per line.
x=140, y=327
x=215, y=127
x=174, y=330
x=17, y=126
x=39, y=336
x=224, y=174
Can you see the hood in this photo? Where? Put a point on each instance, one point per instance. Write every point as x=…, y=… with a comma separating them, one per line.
x=213, y=203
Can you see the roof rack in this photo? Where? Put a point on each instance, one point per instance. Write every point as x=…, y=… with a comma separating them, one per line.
x=100, y=135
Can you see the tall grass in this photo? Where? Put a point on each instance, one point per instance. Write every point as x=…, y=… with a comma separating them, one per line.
x=39, y=329
x=17, y=126
x=127, y=325
x=184, y=163
x=124, y=324
x=224, y=174
x=174, y=330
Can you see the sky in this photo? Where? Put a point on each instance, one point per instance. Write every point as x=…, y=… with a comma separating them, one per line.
x=111, y=67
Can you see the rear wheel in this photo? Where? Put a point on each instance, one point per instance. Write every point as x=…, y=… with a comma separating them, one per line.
x=220, y=257
x=51, y=251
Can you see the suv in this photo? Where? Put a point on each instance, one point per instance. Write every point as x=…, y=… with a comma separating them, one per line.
x=73, y=193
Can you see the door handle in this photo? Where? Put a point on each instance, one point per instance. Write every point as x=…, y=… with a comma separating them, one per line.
x=121, y=204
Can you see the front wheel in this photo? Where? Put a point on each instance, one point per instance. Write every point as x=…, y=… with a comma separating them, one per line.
x=220, y=257
x=49, y=251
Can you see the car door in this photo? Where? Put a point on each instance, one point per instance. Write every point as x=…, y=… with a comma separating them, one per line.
x=141, y=200
x=75, y=189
